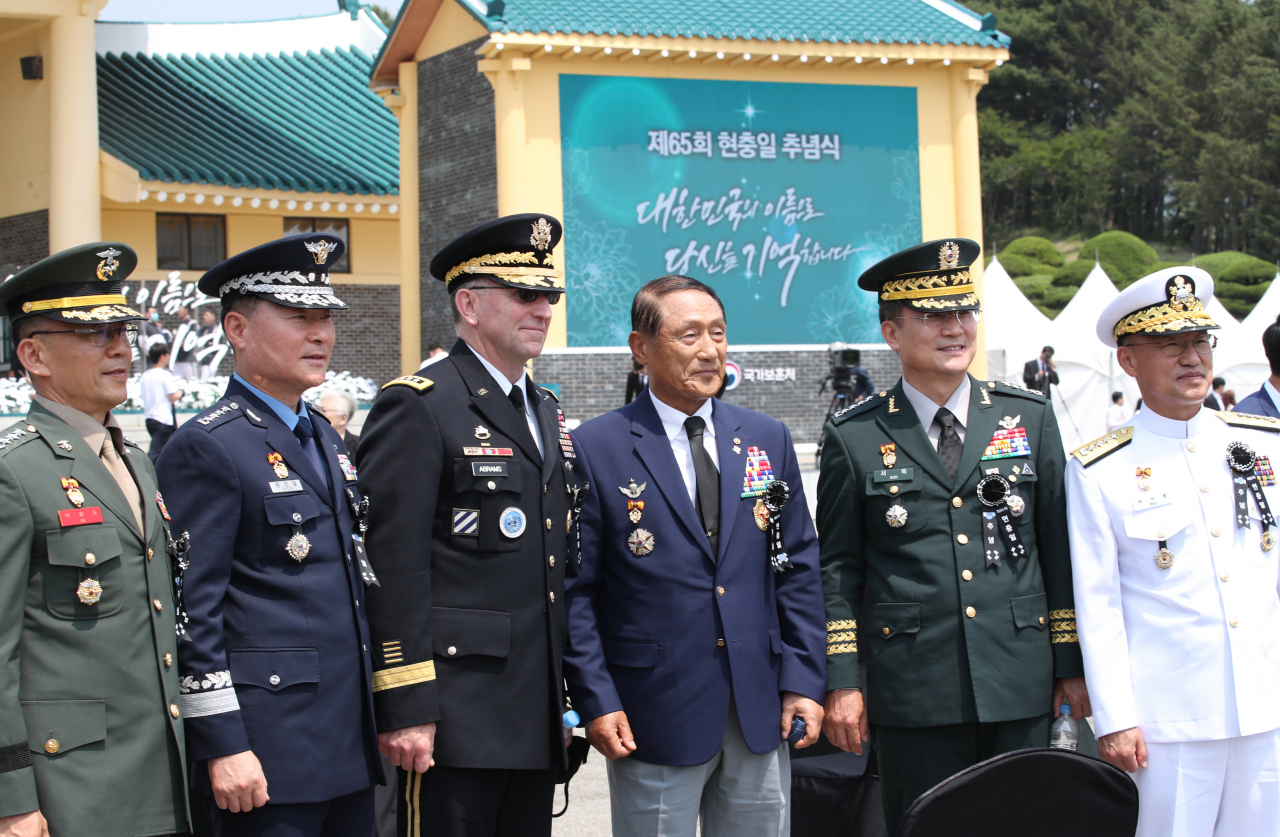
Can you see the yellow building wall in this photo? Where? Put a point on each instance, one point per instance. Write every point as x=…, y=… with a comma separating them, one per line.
x=375, y=248
x=452, y=28
x=24, y=120
x=137, y=228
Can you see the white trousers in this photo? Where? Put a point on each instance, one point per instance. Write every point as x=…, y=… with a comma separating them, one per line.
x=1227, y=788
x=739, y=793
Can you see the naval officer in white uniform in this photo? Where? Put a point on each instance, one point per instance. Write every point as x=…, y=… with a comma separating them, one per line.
x=1175, y=562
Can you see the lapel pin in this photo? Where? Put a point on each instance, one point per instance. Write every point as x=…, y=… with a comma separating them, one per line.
x=986, y=397
x=892, y=407
x=482, y=391
x=64, y=444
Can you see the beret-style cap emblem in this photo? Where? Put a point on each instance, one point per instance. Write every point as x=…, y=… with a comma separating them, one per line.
x=320, y=250
x=108, y=265
x=541, y=238
x=949, y=256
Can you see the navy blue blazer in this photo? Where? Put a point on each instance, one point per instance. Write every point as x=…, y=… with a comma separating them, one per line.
x=278, y=660
x=1258, y=404
x=670, y=636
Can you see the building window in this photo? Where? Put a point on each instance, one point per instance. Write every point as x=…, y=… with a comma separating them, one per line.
x=190, y=242
x=332, y=226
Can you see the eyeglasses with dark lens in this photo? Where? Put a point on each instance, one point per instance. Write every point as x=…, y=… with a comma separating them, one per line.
x=938, y=319
x=1204, y=344
x=526, y=295
x=103, y=335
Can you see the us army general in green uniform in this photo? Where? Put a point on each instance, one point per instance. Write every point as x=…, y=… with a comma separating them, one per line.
x=941, y=501
x=90, y=733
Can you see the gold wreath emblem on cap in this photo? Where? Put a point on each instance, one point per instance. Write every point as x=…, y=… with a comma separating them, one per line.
x=541, y=238
x=949, y=256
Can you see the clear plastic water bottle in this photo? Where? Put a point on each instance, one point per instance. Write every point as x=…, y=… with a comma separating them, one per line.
x=1065, y=732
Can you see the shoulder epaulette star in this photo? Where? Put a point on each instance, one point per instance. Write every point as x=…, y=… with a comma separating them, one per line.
x=222, y=413
x=1103, y=446
x=413, y=381
x=15, y=436
x=862, y=405
x=1249, y=420
x=1017, y=390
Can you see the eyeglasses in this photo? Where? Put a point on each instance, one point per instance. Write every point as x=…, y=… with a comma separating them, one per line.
x=526, y=295
x=103, y=335
x=938, y=319
x=1204, y=344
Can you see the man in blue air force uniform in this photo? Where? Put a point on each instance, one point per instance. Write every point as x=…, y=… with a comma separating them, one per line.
x=276, y=678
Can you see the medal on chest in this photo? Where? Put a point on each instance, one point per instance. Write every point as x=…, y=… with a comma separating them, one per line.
x=72, y=487
x=1244, y=461
x=277, y=464
x=999, y=533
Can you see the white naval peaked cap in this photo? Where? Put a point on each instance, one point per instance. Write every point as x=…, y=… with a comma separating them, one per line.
x=1168, y=301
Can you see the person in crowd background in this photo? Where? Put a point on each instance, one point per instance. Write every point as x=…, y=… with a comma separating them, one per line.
x=1175, y=571
x=1229, y=399
x=185, y=338
x=1266, y=401
x=637, y=380
x=435, y=352
x=1214, y=400
x=208, y=325
x=160, y=392
x=340, y=408
x=1117, y=415
x=1039, y=374
x=691, y=652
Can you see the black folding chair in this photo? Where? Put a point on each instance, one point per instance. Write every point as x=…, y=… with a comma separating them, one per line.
x=1043, y=792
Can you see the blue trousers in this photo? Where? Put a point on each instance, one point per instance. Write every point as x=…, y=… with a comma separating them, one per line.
x=346, y=816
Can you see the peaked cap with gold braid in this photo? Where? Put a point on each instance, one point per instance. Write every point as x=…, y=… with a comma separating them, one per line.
x=933, y=276
x=517, y=250
x=84, y=284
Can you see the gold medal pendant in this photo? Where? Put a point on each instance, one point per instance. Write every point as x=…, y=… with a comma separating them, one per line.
x=1144, y=479
x=634, y=509
x=1268, y=541
x=1164, y=558
x=761, y=514
x=73, y=493
x=889, y=455
x=277, y=465
x=298, y=546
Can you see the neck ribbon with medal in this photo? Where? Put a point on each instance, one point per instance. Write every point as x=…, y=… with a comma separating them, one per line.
x=360, y=514
x=1243, y=461
x=999, y=534
x=179, y=550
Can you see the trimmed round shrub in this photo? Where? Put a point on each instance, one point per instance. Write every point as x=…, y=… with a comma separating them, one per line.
x=1219, y=263
x=1074, y=273
x=1034, y=287
x=1131, y=256
x=1241, y=293
x=1016, y=265
x=1039, y=250
x=1252, y=271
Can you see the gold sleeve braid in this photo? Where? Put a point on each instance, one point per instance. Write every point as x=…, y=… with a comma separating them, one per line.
x=397, y=676
x=1062, y=626
x=842, y=637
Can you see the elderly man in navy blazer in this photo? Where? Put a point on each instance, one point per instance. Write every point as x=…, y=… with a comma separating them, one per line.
x=696, y=621
x=276, y=675
x=1266, y=401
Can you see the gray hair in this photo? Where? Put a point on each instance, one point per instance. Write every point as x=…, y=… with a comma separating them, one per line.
x=351, y=406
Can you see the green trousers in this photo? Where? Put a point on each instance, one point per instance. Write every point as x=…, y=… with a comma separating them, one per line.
x=914, y=759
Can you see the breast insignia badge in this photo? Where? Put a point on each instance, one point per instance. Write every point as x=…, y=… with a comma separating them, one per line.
x=72, y=487
x=482, y=432
x=298, y=546
x=89, y=591
x=277, y=464
x=1010, y=423
x=896, y=517
x=64, y=444
x=512, y=522
x=633, y=491
x=640, y=542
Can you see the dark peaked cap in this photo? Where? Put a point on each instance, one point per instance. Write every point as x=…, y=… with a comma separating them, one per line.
x=933, y=276
x=290, y=271
x=516, y=250
x=83, y=284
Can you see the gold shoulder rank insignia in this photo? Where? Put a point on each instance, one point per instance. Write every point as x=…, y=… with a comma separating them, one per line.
x=1248, y=420
x=1098, y=448
x=420, y=384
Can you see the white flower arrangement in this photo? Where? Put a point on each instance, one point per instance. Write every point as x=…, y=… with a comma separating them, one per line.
x=15, y=393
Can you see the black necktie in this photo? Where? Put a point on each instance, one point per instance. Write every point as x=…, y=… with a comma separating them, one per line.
x=307, y=438
x=708, y=481
x=949, y=445
x=517, y=400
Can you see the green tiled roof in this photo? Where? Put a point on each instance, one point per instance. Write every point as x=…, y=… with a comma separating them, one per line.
x=304, y=123
x=830, y=21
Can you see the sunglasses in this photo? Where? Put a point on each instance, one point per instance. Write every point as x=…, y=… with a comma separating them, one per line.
x=525, y=294
x=103, y=335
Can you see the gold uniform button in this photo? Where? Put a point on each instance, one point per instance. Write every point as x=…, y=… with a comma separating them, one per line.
x=962, y=538
x=552, y=560
x=967, y=575
x=1217, y=533
x=1204, y=489
x=31, y=428
x=970, y=612
x=1161, y=535
x=991, y=384
x=159, y=607
x=548, y=524
x=883, y=394
x=451, y=651
x=720, y=643
x=1191, y=446
x=1013, y=478
x=1225, y=577
x=719, y=591
x=168, y=660
x=91, y=559
x=957, y=502
x=1041, y=620
x=52, y=746
x=553, y=597
x=173, y=709
x=886, y=630
x=1235, y=623
x=893, y=489
x=149, y=554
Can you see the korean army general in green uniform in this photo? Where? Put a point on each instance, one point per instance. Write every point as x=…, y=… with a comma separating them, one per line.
x=90, y=730
x=941, y=501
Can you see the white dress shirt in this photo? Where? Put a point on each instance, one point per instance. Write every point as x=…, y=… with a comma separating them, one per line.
x=530, y=406
x=927, y=409
x=1192, y=652
x=1271, y=391
x=673, y=423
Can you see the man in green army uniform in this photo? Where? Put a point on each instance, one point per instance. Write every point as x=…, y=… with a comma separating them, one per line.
x=90, y=735
x=941, y=501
